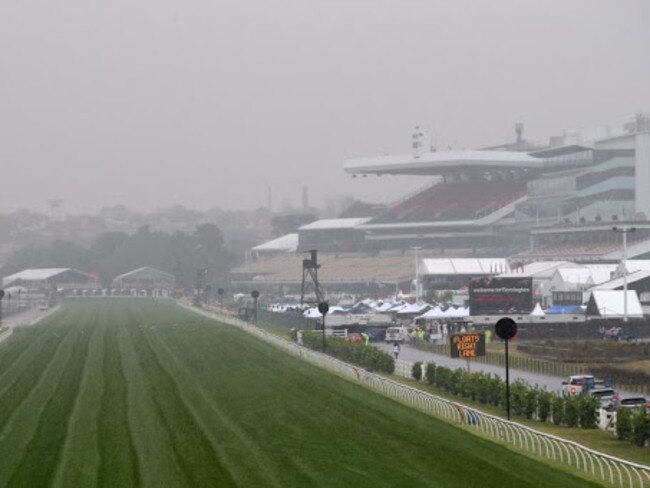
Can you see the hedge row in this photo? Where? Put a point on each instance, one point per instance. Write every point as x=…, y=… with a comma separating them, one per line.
x=367, y=357
x=633, y=425
x=525, y=401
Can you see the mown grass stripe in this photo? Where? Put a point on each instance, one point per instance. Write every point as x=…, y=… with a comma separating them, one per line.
x=19, y=427
x=200, y=463
x=226, y=437
x=80, y=458
x=158, y=462
x=42, y=454
x=118, y=461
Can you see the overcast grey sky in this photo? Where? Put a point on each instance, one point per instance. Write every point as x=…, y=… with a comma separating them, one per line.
x=205, y=103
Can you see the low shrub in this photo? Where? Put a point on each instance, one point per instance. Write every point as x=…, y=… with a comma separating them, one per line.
x=572, y=411
x=640, y=427
x=624, y=424
x=518, y=392
x=557, y=410
x=530, y=407
x=544, y=399
x=416, y=370
x=589, y=412
x=367, y=357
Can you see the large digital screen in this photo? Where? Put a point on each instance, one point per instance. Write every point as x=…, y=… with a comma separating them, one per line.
x=500, y=296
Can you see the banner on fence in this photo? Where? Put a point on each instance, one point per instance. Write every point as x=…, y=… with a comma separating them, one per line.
x=467, y=345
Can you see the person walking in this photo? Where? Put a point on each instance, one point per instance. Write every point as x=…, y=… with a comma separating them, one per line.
x=396, y=350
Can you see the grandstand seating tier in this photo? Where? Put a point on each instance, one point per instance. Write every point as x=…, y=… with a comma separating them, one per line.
x=469, y=200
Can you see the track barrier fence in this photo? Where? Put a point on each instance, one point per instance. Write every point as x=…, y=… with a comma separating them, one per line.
x=601, y=467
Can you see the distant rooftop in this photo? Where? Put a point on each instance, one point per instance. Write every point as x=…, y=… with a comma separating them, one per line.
x=325, y=224
x=288, y=243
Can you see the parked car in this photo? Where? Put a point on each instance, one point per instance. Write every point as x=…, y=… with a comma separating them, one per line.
x=605, y=395
x=582, y=384
x=630, y=401
x=354, y=337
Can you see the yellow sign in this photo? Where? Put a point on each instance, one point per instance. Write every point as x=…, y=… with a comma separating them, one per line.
x=467, y=345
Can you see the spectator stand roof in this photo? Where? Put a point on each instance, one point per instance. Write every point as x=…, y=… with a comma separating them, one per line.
x=433, y=163
x=286, y=243
x=41, y=275
x=331, y=224
x=611, y=304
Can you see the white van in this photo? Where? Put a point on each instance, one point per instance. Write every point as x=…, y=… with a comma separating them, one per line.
x=396, y=334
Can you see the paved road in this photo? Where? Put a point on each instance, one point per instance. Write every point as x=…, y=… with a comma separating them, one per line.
x=28, y=317
x=408, y=353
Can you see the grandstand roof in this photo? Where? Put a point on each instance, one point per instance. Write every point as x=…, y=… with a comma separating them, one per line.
x=463, y=266
x=288, y=243
x=439, y=162
x=326, y=224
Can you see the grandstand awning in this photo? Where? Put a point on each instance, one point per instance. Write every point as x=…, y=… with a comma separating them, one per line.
x=439, y=162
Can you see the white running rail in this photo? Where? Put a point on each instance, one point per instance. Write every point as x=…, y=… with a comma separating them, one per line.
x=602, y=467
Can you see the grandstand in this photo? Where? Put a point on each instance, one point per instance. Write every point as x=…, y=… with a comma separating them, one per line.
x=500, y=201
x=518, y=201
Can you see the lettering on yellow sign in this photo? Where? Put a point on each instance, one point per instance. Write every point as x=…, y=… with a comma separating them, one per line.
x=467, y=345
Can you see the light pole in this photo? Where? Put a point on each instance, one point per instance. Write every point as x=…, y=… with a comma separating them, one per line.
x=255, y=294
x=2, y=295
x=323, y=308
x=417, y=273
x=625, y=231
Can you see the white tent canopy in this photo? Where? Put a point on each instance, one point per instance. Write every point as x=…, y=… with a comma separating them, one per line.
x=611, y=303
x=412, y=308
x=437, y=313
x=537, y=311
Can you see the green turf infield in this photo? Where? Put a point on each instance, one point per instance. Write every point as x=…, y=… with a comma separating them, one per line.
x=121, y=393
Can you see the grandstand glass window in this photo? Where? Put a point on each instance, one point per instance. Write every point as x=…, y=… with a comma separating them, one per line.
x=577, y=158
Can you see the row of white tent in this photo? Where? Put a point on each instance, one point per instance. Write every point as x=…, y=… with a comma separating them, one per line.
x=609, y=303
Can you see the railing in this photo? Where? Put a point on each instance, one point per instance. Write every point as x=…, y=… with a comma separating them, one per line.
x=600, y=466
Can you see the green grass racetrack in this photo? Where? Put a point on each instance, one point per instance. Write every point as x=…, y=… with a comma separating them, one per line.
x=121, y=393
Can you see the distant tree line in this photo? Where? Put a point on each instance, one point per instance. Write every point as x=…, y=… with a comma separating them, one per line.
x=111, y=254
